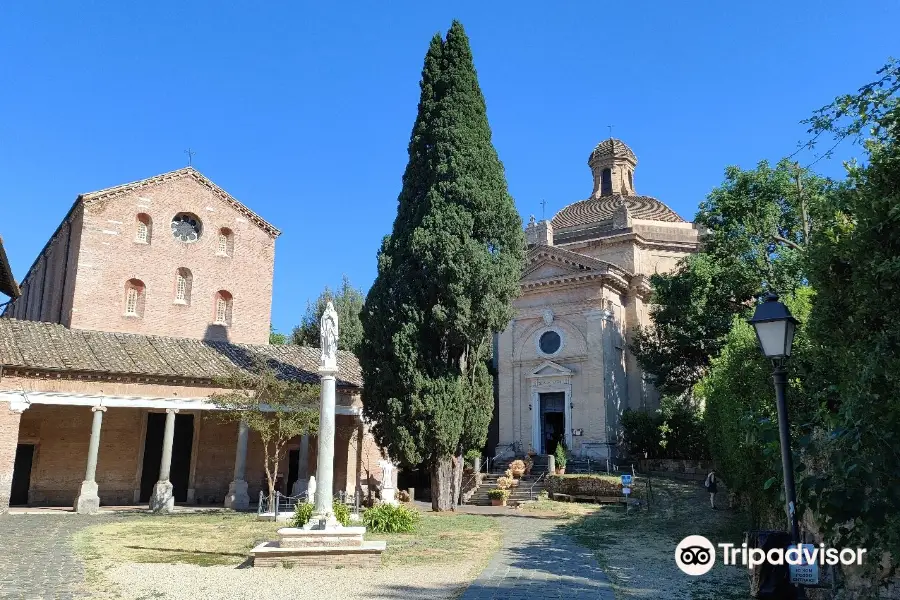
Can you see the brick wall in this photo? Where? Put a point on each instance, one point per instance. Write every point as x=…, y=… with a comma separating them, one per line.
x=110, y=256
x=80, y=278
x=9, y=435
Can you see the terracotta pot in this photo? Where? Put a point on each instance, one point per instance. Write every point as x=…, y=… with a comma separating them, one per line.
x=561, y=471
x=498, y=501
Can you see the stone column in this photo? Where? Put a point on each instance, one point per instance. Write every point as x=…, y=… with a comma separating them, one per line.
x=237, y=497
x=88, y=502
x=162, y=499
x=325, y=462
x=302, y=482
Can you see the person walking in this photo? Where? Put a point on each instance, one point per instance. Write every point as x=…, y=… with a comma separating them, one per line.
x=712, y=487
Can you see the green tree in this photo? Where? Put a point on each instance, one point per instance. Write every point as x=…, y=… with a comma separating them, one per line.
x=275, y=408
x=446, y=277
x=740, y=416
x=756, y=228
x=853, y=465
x=276, y=338
x=348, y=302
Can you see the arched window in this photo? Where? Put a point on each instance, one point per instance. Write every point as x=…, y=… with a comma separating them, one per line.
x=134, y=298
x=225, y=242
x=183, y=282
x=223, y=305
x=606, y=183
x=144, y=229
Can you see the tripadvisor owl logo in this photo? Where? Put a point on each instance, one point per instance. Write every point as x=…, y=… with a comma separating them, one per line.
x=695, y=555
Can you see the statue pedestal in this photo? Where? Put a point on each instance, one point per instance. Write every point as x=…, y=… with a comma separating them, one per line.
x=389, y=496
x=343, y=547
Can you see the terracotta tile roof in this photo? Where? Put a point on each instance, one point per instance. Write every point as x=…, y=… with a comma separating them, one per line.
x=593, y=210
x=52, y=347
x=8, y=284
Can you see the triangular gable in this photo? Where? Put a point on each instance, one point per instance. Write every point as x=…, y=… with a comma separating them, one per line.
x=179, y=174
x=548, y=368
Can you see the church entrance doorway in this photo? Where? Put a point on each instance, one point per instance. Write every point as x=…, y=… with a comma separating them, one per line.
x=182, y=444
x=553, y=420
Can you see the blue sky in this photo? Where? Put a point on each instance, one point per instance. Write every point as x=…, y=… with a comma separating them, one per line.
x=303, y=110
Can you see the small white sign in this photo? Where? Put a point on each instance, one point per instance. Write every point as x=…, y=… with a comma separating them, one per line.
x=808, y=572
x=626, y=490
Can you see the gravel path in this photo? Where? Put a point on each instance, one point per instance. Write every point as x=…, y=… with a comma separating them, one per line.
x=638, y=551
x=189, y=582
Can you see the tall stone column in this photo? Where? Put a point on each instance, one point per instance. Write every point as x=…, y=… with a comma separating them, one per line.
x=302, y=482
x=162, y=499
x=88, y=501
x=237, y=497
x=325, y=459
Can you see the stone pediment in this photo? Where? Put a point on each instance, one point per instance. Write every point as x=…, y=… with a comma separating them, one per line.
x=549, y=266
x=548, y=368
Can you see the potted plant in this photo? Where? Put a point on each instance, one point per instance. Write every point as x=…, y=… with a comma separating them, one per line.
x=504, y=483
x=529, y=464
x=517, y=467
x=561, y=458
x=498, y=497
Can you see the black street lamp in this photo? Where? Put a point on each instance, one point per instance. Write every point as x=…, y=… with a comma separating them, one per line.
x=775, y=328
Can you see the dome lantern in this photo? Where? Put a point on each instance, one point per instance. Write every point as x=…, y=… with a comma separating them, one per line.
x=612, y=163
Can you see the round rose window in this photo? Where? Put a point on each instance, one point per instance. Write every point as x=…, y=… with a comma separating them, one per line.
x=186, y=227
x=549, y=342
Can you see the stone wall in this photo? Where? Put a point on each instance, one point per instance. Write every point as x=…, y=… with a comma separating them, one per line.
x=585, y=485
x=9, y=435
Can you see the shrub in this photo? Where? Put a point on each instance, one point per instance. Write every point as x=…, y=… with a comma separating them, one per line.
x=471, y=456
x=504, y=483
x=302, y=512
x=387, y=518
x=498, y=494
x=341, y=512
x=682, y=434
x=561, y=456
x=517, y=466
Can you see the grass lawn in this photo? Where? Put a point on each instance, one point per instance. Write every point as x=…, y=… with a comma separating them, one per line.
x=225, y=538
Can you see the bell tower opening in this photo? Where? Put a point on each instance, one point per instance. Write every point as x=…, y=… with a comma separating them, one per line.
x=612, y=163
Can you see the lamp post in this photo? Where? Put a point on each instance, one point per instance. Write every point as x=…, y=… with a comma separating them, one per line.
x=775, y=328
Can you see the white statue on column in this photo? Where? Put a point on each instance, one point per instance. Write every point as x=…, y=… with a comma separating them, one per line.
x=388, y=490
x=328, y=332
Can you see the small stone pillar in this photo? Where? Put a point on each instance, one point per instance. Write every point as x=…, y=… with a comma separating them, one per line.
x=88, y=501
x=388, y=489
x=302, y=485
x=162, y=499
x=238, y=498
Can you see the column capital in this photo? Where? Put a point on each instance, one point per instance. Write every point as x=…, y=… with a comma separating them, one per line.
x=171, y=411
x=19, y=404
x=98, y=408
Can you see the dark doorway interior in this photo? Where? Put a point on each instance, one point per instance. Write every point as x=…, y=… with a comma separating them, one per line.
x=21, y=479
x=553, y=420
x=293, y=464
x=182, y=444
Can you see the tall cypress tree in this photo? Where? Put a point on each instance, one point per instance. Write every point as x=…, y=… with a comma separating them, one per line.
x=446, y=277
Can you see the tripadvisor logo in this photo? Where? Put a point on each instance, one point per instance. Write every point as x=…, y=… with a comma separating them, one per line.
x=695, y=555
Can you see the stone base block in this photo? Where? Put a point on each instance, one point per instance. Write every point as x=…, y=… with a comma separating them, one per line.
x=87, y=502
x=237, y=498
x=270, y=554
x=389, y=496
x=345, y=537
x=162, y=500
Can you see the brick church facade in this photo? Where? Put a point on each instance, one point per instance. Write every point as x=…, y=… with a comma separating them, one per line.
x=144, y=297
